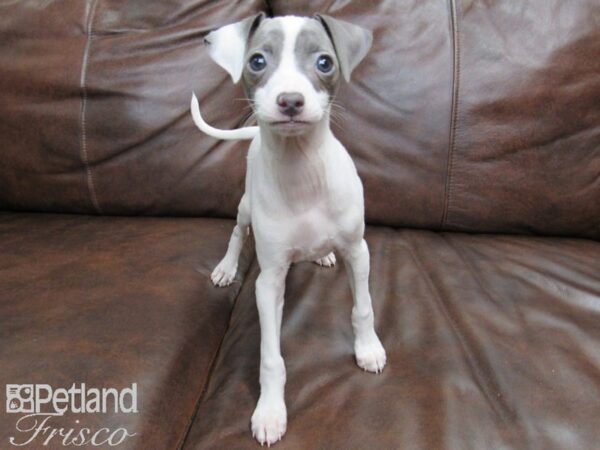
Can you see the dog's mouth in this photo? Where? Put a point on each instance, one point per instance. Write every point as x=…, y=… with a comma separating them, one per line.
x=290, y=126
x=289, y=123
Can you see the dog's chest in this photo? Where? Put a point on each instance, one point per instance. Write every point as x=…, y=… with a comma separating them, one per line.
x=309, y=211
x=311, y=234
x=305, y=235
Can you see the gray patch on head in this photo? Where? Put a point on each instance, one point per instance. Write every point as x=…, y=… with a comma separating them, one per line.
x=268, y=41
x=312, y=42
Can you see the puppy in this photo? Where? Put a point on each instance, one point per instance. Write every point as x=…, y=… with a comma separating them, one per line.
x=303, y=196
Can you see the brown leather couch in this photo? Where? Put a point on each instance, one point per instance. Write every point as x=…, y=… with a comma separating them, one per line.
x=475, y=126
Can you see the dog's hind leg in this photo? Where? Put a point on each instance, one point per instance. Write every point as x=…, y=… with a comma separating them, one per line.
x=327, y=260
x=225, y=271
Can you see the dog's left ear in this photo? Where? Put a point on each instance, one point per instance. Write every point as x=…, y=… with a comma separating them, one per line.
x=227, y=45
x=351, y=42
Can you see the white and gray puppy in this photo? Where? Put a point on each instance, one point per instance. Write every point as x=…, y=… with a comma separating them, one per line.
x=303, y=196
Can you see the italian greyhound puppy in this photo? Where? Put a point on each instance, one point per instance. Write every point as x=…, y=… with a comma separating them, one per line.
x=303, y=196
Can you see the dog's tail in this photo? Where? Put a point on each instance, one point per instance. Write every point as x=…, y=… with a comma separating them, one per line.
x=238, y=134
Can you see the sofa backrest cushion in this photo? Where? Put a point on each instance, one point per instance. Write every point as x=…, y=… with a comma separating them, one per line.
x=94, y=100
x=466, y=115
x=473, y=115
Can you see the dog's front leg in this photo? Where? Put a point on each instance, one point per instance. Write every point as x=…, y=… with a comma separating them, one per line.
x=225, y=271
x=269, y=420
x=368, y=350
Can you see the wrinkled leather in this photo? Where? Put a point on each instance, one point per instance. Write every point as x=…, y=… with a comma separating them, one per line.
x=492, y=341
x=526, y=153
x=475, y=116
x=395, y=112
x=41, y=50
x=95, y=99
x=466, y=115
x=110, y=302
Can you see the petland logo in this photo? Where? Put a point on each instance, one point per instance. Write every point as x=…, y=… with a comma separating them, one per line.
x=40, y=403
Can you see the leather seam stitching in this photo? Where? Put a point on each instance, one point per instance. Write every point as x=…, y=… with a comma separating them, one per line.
x=205, y=382
x=82, y=118
x=213, y=360
x=453, y=112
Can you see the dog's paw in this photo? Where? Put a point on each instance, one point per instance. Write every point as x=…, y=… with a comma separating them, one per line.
x=370, y=356
x=327, y=260
x=224, y=273
x=269, y=421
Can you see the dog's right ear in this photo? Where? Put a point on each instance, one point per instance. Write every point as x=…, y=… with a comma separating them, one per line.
x=227, y=45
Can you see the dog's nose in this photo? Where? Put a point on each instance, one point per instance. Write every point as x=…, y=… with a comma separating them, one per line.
x=290, y=103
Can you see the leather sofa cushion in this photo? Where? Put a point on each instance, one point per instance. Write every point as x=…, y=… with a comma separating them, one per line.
x=109, y=302
x=396, y=112
x=95, y=102
x=492, y=341
x=475, y=116
x=466, y=115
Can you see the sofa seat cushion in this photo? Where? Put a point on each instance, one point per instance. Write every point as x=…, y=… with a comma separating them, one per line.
x=109, y=302
x=492, y=341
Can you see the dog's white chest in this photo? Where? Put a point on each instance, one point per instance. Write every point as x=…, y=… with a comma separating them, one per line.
x=312, y=235
x=305, y=214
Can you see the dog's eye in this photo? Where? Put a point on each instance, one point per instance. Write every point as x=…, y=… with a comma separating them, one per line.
x=324, y=64
x=257, y=62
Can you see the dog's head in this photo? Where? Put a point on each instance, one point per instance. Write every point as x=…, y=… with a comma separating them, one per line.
x=291, y=66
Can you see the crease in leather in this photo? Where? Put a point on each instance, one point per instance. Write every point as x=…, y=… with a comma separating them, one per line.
x=502, y=410
x=152, y=134
x=82, y=119
x=380, y=98
x=214, y=358
x=511, y=410
x=469, y=265
x=539, y=279
x=537, y=144
x=453, y=110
